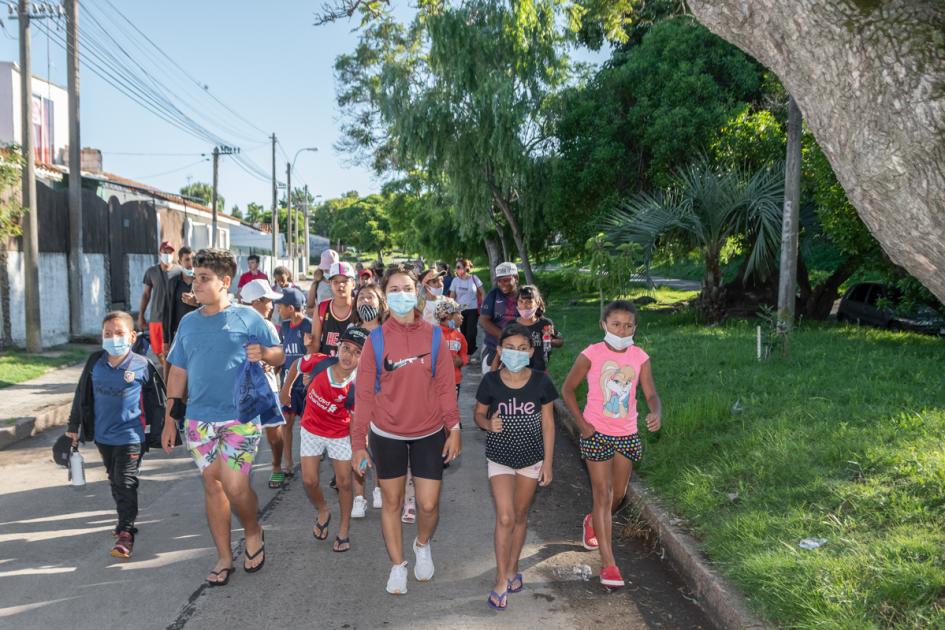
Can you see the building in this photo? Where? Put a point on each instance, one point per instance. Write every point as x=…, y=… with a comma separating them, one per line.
x=50, y=115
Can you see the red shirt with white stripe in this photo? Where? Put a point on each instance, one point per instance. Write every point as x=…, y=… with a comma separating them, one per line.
x=325, y=412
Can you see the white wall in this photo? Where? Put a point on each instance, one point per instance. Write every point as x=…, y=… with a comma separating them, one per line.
x=53, y=298
x=94, y=293
x=137, y=265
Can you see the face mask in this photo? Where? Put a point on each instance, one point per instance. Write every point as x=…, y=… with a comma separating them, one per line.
x=167, y=258
x=367, y=313
x=515, y=360
x=402, y=303
x=116, y=346
x=527, y=313
x=189, y=273
x=437, y=291
x=451, y=323
x=618, y=343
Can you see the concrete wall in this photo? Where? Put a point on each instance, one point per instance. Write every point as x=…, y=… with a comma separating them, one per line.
x=95, y=298
x=137, y=265
x=53, y=302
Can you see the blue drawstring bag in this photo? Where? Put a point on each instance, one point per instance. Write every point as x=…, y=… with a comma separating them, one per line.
x=253, y=396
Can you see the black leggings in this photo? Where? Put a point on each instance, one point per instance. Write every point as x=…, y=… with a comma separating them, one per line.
x=470, y=328
x=392, y=457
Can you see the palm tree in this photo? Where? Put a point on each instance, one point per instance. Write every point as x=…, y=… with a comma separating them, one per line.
x=703, y=207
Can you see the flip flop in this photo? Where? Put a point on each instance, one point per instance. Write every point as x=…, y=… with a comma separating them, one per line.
x=226, y=580
x=289, y=474
x=253, y=556
x=521, y=584
x=340, y=541
x=498, y=602
x=276, y=480
x=322, y=529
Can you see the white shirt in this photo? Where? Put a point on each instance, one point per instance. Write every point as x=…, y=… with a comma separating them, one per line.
x=465, y=290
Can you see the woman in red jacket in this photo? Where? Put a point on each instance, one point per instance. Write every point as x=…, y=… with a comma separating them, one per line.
x=405, y=409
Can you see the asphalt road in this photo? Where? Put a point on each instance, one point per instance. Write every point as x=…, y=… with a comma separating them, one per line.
x=56, y=572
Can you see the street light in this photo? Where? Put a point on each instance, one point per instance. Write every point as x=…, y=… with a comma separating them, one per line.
x=291, y=233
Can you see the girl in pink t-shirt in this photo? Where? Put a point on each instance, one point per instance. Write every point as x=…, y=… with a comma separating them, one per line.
x=609, y=441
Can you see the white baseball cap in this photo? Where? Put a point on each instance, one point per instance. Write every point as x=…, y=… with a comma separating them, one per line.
x=256, y=289
x=329, y=258
x=506, y=269
x=341, y=269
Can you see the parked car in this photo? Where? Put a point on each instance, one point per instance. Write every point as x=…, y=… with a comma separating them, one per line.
x=874, y=304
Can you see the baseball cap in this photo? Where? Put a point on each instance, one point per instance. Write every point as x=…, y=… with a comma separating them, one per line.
x=366, y=272
x=341, y=269
x=356, y=335
x=506, y=269
x=429, y=274
x=166, y=246
x=291, y=297
x=256, y=289
x=329, y=257
x=446, y=307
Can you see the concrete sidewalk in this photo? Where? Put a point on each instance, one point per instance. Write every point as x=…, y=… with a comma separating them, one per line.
x=36, y=405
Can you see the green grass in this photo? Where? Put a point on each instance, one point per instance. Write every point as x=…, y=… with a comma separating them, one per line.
x=842, y=439
x=17, y=366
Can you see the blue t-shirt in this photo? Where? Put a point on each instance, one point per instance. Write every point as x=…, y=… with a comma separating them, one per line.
x=500, y=309
x=116, y=393
x=212, y=350
x=293, y=344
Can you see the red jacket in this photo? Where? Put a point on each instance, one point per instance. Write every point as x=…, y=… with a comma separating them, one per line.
x=411, y=403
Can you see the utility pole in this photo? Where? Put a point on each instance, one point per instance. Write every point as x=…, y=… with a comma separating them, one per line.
x=288, y=206
x=213, y=196
x=275, y=213
x=34, y=337
x=75, y=170
x=787, y=281
x=305, y=246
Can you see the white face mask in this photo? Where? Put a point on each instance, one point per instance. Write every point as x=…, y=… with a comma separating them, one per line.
x=618, y=343
x=167, y=258
x=435, y=291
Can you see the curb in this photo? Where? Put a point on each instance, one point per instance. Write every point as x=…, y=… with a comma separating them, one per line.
x=56, y=416
x=719, y=599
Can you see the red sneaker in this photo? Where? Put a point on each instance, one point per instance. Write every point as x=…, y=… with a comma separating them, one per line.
x=590, y=537
x=610, y=577
x=124, y=545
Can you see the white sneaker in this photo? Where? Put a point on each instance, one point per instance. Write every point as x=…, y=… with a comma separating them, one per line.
x=397, y=582
x=359, y=507
x=377, y=499
x=423, y=565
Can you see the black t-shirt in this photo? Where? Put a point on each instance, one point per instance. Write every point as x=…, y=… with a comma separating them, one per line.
x=176, y=308
x=542, y=353
x=332, y=329
x=519, y=444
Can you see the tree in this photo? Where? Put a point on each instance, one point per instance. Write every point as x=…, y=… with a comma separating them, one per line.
x=703, y=208
x=203, y=193
x=322, y=217
x=254, y=212
x=236, y=213
x=363, y=225
x=855, y=66
x=11, y=210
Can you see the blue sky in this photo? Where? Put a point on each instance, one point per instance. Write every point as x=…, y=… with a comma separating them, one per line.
x=264, y=59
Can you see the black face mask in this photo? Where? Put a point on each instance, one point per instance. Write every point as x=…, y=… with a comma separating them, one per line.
x=367, y=312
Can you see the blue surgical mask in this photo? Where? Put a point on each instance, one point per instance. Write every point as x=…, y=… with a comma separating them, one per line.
x=515, y=360
x=402, y=303
x=116, y=346
x=188, y=272
x=451, y=323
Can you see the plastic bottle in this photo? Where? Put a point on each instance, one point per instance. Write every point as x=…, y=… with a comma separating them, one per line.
x=76, y=469
x=546, y=340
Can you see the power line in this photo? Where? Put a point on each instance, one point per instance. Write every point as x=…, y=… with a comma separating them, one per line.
x=176, y=170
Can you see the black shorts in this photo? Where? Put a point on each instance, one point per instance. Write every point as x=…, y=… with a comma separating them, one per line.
x=392, y=457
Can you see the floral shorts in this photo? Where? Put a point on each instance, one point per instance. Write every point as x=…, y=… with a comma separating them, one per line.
x=601, y=448
x=236, y=441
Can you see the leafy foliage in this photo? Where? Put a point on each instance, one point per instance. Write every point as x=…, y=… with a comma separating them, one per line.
x=202, y=192
x=11, y=210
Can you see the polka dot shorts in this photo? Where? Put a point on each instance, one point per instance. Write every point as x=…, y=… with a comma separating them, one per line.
x=601, y=448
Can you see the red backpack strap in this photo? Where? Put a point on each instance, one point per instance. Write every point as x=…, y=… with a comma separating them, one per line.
x=323, y=310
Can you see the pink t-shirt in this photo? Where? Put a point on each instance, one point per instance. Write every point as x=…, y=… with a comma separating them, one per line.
x=611, y=388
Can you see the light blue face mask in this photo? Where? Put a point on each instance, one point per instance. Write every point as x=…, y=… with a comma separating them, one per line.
x=514, y=360
x=402, y=303
x=188, y=272
x=451, y=323
x=116, y=346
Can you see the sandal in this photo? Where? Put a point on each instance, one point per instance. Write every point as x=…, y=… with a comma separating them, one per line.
x=341, y=541
x=288, y=472
x=498, y=602
x=253, y=556
x=224, y=581
x=521, y=584
x=276, y=480
x=410, y=511
x=321, y=529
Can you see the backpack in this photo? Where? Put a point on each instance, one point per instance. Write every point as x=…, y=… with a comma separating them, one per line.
x=323, y=365
x=377, y=342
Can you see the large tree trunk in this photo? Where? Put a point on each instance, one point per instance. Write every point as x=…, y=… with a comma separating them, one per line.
x=819, y=301
x=869, y=77
x=520, y=245
x=492, y=253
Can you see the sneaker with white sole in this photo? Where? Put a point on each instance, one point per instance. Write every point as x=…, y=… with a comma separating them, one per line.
x=359, y=507
x=378, y=504
x=423, y=562
x=397, y=582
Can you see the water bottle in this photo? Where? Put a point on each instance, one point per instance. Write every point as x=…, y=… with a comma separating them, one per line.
x=76, y=469
x=546, y=340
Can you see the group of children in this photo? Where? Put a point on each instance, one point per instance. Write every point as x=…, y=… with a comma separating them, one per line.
x=311, y=362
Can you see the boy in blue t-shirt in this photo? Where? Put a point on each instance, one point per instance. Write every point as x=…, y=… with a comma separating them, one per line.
x=208, y=353
x=296, y=333
x=119, y=393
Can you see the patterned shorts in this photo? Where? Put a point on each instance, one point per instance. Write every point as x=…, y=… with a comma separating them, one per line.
x=236, y=441
x=339, y=449
x=601, y=448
